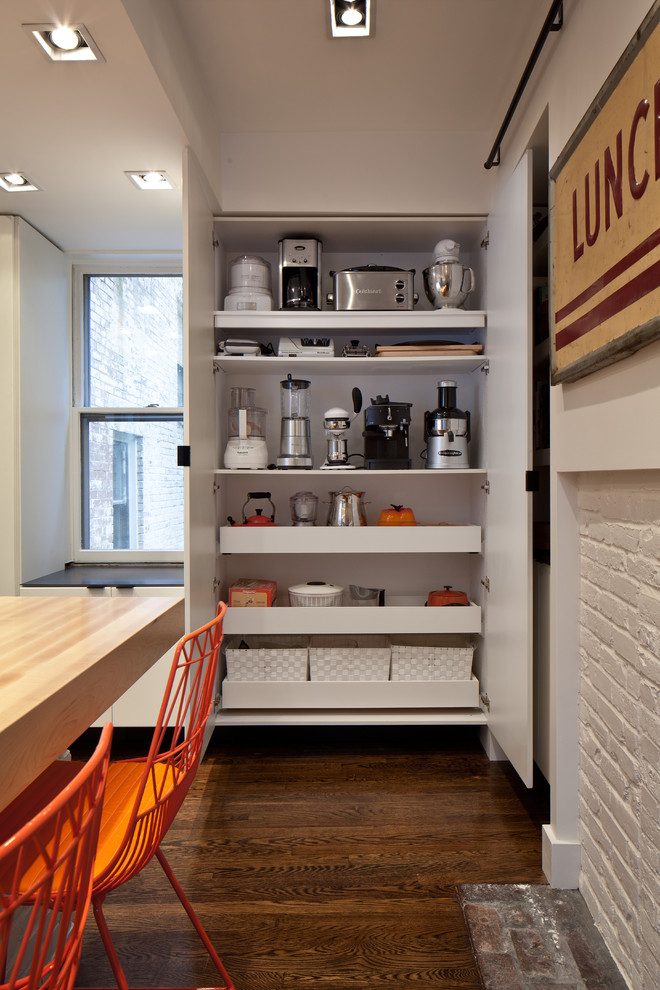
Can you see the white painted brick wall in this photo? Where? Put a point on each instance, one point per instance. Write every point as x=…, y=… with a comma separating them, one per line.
x=619, y=712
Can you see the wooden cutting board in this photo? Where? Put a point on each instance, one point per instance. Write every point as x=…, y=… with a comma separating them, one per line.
x=419, y=350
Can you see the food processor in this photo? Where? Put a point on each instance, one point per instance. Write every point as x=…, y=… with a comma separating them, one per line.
x=246, y=431
x=447, y=431
x=295, y=427
x=304, y=506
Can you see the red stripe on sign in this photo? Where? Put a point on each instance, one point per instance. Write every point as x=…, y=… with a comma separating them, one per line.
x=619, y=268
x=637, y=288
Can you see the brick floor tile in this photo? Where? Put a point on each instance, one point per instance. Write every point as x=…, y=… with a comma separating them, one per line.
x=532, y=953
x=499, y=972
x=485, y=928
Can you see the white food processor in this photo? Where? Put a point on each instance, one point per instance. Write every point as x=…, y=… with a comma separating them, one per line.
x=246, y=432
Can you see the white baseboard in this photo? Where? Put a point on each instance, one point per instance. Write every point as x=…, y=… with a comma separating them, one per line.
x=561, y=860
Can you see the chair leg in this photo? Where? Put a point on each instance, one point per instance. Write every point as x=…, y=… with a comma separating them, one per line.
x=199, y=928
x=108, y=944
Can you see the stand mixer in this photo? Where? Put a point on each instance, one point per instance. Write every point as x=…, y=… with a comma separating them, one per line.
x=336, y=422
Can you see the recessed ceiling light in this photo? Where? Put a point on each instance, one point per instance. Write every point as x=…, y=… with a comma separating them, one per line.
x=65, y=42
x=151, y=179
x=351, y=18
x=16, y=182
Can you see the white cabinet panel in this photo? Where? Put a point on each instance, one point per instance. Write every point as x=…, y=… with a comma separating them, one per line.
x=506, y=671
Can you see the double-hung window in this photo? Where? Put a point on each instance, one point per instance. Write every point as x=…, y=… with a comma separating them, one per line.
x=128, y=399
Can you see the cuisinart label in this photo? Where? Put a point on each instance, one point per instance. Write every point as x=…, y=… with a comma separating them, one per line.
x=368, y=292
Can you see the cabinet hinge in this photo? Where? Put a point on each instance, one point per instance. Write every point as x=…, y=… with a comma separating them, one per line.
x=216, y=487
x=486, y=240
x=486, y=487
x=216, y=584
x=486, y=583
x=214, y=241
x=485, y=367
x=485, y=701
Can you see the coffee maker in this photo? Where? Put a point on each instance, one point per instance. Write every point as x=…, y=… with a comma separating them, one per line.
x=386, y=429
x=300, y=273
x=447, y=431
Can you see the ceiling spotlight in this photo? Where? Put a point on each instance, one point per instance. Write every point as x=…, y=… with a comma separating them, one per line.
x=151, y=180
x=16, y=182
x=65, y=43
x=351, y=18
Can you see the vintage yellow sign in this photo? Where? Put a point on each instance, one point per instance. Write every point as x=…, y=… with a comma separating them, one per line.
x=606, y=282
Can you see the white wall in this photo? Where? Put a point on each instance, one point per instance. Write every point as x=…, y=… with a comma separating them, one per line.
x=9, y=448
x=45, y=398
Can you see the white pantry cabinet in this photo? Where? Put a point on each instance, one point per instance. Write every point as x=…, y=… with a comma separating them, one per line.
x=474, y=524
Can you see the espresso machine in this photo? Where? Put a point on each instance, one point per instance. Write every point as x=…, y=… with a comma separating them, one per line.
x=295, y=427
x=300, y=273
x=447, y=431
x=386, y=435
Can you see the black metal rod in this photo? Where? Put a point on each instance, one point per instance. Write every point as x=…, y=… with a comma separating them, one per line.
x=550, y=24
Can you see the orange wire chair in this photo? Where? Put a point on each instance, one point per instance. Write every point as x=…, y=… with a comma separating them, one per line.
x=143, y=796
x=46, y=881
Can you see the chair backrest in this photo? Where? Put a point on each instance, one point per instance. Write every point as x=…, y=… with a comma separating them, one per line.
x=46, y=871
x=174, y=754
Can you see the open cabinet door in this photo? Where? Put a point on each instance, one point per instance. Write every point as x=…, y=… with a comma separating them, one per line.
x=199, y=395
x=506, y=674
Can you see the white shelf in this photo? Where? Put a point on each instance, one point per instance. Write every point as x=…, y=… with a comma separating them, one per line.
x=351, y=620
x=349, y=539
x=350, y=694
x=456, y=364
x=351, y=716
x=348, y=473
x=323, y=321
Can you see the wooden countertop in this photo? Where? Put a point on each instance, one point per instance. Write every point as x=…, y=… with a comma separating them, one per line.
x=63, y=661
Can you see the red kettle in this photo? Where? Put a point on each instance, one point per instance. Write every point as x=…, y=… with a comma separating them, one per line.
x=258, y=519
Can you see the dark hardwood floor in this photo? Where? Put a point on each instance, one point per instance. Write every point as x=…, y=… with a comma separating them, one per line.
x=327, y=858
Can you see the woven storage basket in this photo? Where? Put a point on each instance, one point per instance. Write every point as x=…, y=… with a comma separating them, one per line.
x=337, y=658
x=431, y=660
x=268, y=661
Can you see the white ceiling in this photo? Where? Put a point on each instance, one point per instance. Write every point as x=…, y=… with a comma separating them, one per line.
x=230, y=66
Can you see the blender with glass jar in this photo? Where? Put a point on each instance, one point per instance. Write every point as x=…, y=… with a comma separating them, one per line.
x=295, y=428
x=246, y=432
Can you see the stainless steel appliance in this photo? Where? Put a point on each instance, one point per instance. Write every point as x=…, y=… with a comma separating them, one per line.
x=447, y=282
x=386, y=434
x=300, y=273
x=375, y=287
x=447, y=431
x=295, y=427
x=336, y=422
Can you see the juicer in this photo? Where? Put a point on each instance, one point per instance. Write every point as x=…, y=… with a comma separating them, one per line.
x=447, y=431
x=336, y=422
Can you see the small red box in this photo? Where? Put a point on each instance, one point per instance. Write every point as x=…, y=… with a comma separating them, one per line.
x=252, y=593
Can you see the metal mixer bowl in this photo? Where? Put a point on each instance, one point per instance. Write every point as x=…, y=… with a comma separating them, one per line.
x=447, y=284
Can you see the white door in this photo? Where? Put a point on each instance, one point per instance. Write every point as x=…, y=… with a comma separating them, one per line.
x=199, y=398
x=506, y=674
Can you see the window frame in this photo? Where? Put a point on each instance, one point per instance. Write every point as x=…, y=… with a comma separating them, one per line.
x=81, y=412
